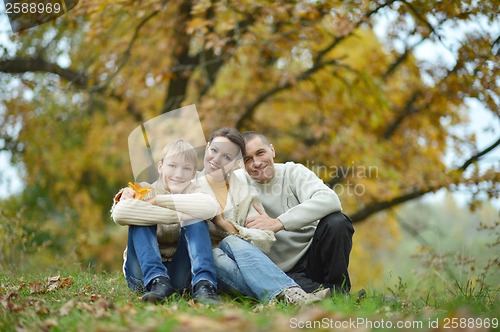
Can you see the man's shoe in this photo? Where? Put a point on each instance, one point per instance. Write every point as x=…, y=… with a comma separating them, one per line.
x=323, y=294
x=159, y=289
x=204, y=293
x=296, y=295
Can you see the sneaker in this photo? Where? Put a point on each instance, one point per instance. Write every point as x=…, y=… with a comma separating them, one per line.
x=159, y=289
x=204, y=293
x=323, y=294
x=296, y=295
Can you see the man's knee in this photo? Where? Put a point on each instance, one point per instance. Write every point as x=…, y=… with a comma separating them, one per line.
x=336, y=224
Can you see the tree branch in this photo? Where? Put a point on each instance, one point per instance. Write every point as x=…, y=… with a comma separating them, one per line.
x=403, y=114
x=410, y=109
x=264, y=96
x=126, y=55
x=478, y=155
x=212, y=63
x=375, y=207
x=318, y=63
x=23, y=65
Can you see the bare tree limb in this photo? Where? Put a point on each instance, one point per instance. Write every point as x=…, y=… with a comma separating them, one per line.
x=478, y=155
x=375, y=207
x=23, y=65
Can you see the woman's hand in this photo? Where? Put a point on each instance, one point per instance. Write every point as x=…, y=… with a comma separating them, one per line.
x=223, y=224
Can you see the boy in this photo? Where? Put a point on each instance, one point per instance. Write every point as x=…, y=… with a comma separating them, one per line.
x=169, y=245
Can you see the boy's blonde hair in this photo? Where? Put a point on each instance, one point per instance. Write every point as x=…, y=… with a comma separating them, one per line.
x=183, y=148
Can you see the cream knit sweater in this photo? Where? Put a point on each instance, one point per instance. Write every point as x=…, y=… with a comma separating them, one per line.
x=298, y=198
x=169, y=212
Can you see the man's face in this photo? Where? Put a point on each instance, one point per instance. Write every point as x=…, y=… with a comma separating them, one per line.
x=176, y=173
x=259, y=162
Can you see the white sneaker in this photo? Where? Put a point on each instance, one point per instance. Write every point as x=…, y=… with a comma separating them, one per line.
x=323, y=294
x=296, y=295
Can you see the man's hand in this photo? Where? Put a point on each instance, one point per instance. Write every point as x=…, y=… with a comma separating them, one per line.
x=264, y=222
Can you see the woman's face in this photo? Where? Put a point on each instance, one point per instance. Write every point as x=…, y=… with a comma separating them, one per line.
x=220, y=157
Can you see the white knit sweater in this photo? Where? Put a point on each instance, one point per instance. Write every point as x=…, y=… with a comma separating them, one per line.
x=171, y=210
x=298, y=198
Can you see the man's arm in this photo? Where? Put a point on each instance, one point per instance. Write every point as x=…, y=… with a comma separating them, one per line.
x=312, y=199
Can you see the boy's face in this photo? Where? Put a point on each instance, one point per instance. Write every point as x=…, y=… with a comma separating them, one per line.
x=176, y=173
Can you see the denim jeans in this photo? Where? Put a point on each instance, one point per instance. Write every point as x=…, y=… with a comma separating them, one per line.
x=192, y=261
x=243, y=268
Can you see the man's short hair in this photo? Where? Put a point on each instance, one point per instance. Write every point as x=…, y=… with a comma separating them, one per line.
x=180, y=148
x=250, y=135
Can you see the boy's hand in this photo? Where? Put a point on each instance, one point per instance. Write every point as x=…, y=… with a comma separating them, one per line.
x=151, y=200
x=127, y=193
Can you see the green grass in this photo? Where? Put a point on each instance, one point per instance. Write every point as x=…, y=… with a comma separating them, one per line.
x=86, y=301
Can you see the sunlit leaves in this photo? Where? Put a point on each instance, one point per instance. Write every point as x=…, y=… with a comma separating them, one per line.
x=310, y=74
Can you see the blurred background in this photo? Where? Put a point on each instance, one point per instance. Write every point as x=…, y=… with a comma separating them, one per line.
x=394, y=104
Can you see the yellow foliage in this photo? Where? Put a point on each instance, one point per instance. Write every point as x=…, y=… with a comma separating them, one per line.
x=311, y=75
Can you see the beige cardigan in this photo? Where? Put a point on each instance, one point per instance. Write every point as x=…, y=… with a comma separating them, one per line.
x=239, y=207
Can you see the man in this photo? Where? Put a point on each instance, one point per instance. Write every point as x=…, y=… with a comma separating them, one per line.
x=313, y=236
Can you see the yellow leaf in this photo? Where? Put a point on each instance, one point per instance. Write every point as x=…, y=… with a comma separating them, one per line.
x=140, y=192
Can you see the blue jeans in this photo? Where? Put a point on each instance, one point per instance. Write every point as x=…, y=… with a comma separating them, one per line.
x=193, y=260
x=241, y=267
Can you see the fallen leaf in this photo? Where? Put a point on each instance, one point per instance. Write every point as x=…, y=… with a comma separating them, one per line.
x=53, y=283
x=36, y=287
x=67, y=282
x=140, y=192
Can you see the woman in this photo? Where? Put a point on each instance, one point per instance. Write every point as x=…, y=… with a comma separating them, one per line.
x=244, y=268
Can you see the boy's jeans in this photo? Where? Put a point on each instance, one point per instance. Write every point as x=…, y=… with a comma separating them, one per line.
x=192, y=261
x=242, y=267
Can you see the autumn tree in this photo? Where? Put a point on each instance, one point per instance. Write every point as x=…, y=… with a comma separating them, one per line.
x=364, y=113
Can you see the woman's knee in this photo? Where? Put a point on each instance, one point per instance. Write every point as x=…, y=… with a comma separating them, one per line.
x=218, y=253
x=231, y=242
